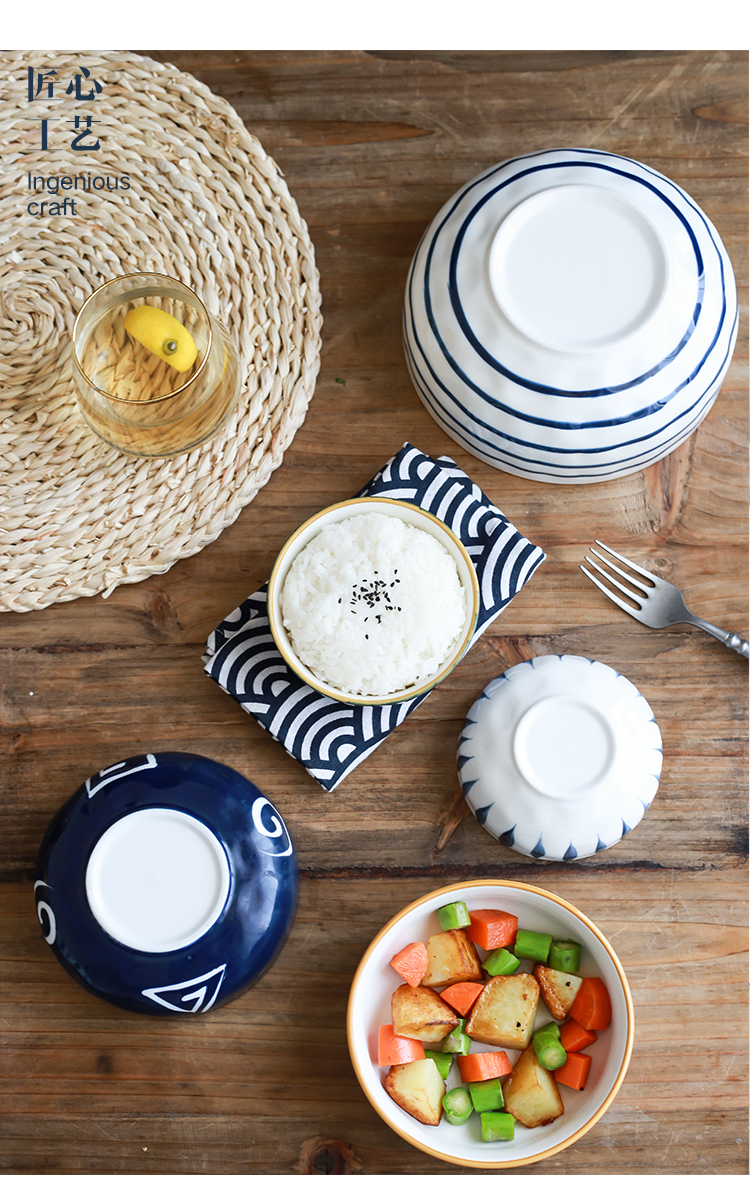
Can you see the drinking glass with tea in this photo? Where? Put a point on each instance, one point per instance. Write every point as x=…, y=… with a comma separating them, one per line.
x=155, y=373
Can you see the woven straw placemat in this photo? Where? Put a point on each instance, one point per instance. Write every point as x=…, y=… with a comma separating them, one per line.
x=205, y=204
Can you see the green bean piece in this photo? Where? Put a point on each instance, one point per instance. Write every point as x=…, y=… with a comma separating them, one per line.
x=532, y=945
x=548, y=1048
x=454, y=915
x=487, y=1095
x=457, y=1105
x=501, y=963
x=497, y=1126
x=551, y=1031
x=458, y=1041
x=442, y=1061
x=550, y=1054
x=565, y=955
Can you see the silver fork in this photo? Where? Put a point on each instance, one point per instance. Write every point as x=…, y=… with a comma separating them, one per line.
x=659, y=603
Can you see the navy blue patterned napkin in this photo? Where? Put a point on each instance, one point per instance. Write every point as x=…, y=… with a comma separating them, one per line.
x=329, y=738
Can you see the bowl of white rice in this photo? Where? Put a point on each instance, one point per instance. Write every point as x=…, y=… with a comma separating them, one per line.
x=373, y=601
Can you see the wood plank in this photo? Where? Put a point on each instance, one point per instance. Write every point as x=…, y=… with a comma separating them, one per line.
x=278, y=1055
x=56, y=739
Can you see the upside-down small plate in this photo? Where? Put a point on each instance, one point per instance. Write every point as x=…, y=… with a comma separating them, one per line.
x=560, y=757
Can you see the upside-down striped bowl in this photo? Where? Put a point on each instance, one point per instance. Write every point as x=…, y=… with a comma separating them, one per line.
x=569, y=316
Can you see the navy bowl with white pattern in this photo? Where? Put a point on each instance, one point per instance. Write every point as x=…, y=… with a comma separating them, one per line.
x=259, y=864
x=576, y=357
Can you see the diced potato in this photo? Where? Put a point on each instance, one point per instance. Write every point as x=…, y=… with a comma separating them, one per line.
x=421, y=1013
x=418, y=1089
x=531, y=1093
x=451, y=957
x=504, y=1012
x=558, y=989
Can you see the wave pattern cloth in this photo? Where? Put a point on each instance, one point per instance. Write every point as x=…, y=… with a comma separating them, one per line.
x=329, y=738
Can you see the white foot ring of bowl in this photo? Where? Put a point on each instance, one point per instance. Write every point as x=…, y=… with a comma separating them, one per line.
x=157, y=880
x=563, y=747
x=578, y=268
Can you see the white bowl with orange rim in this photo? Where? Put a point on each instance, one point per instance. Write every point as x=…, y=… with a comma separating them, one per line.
x=380, y=596
x=370, y=1007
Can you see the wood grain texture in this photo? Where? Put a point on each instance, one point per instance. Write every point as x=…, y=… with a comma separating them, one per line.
x=371, y=145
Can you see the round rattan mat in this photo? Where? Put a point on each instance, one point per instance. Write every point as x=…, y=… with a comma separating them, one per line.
x=205, y=204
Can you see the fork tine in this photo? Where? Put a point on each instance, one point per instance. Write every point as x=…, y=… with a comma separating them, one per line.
x=620, y=572
x=607, y=593
x=616, y=583
x=624, y=559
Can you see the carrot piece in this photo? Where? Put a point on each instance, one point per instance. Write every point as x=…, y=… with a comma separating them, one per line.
x=462, y=995
x=487, y=1065
x=395, y=1048
x=411, y=963
x=575, y=1071
x=492, y=929
x=592, y=1008
x=573, y=1036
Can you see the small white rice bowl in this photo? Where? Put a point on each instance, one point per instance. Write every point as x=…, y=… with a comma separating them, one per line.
x=374, y=605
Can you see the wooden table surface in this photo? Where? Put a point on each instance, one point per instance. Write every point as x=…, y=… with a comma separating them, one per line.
x=372, y=144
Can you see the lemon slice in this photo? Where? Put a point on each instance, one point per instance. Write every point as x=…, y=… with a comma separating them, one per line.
x=163, y=335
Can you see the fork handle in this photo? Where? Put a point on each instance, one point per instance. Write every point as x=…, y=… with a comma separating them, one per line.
x=732, y=641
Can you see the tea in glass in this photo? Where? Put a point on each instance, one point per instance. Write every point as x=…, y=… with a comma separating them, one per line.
x=156, y=374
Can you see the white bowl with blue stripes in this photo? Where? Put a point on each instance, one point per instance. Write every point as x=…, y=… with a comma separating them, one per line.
x=569, y=316
x=560, y=757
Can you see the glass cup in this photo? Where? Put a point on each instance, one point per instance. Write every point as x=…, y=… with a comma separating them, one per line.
x=157, y=382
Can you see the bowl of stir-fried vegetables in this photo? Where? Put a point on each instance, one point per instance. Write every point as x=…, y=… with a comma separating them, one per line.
x=490, y=1024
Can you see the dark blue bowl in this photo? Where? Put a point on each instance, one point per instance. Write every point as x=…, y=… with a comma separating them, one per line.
x=185, y=922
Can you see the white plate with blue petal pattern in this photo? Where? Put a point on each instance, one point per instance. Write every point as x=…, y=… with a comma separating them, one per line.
x=560, y=757
x=569, y=316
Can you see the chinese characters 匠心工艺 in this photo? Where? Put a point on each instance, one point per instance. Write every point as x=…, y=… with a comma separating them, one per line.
x=40, y=80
